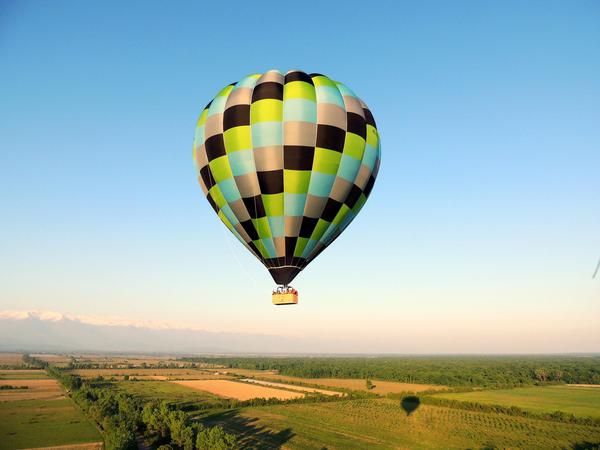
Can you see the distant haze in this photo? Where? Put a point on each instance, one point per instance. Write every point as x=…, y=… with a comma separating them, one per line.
x=50, y=331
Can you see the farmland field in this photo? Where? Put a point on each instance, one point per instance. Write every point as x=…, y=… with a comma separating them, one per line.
x=23, y=374
x=291, y=386
x=245, y=372
x=11, y=359
x=239, y=391
x=147, y=372
x=580, y=401
x=37, y=389
x=379, y=387
x=352, y=420
x=42, y=423
x=52, y=358
x=163, y=390
x=383, y=424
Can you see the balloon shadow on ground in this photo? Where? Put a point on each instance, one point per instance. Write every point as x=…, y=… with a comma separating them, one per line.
x=249, y=434
x=586, y=445
x=410, y=404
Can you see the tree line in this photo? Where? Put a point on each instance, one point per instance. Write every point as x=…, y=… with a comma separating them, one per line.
x=120, y=416
x=486, y=371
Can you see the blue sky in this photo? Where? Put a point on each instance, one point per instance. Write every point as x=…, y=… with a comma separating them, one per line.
x=481, y=234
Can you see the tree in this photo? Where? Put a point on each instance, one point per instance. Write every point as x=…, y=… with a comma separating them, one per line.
x=177, y=421
x=370, y=384
x=187, y=438
x=541, y=374
x=120, y=438
x=557, y=375
x=215, y=438
x=156, y=418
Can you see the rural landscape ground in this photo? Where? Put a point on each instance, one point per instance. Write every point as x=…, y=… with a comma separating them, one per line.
x=85, y=401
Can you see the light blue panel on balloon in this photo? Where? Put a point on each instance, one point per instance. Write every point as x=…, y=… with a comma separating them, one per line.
x=346, y=220
x=370, y=156
x=229, y=190
x=277, y=226
x=218, y=105
x=294, y=204
x=320, y=184
x=266, y=134
x=241, y=162
x=199, y=137
x=348, y=168
x=328, y=235
x=297, y=109
x=228, y=212
x=249, y=81
x=329, y=94
x=345, y=90
x=270, y=246
x=310, y=245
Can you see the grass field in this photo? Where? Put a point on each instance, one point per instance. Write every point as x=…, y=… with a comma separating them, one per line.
x=23, y=374
x=380, y=387
x=244, y=372
x=43, y=423
x=112, y=361
x=239, y=391
x=580, y=401
x=52, y=358
x=148, y=372
x=383, y=424
x=163, y=390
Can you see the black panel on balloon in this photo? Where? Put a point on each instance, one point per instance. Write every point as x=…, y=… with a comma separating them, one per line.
x=270, y=182
x=270, y=89
x=298, y=76
x=255, y=207
x=207, y=177
x=307, y=227
x=298, y=157
x=369, y=117
x=248, y=227
x=236, y=116
x=369, y=186
x=215, y=147
x=331, y=209
x=330, y=137
x=357, y=125
x=353, y=196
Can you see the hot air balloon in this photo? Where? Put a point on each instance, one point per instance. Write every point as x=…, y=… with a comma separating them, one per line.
x=287, y=162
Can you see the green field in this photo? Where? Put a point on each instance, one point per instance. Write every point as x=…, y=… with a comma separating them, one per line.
x=579, y=401
x=43, y=423
x=163, y=390
x=383, y=424
x=23, y=375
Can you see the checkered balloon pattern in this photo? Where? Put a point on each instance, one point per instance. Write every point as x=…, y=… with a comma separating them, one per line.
x=287, y=162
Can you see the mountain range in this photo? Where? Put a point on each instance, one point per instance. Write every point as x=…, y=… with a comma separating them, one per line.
x=49, y=331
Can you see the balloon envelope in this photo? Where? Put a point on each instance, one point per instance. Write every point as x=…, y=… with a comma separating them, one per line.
x=287, y=162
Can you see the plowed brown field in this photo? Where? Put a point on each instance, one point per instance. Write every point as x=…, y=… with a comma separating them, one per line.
x=36, y=390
